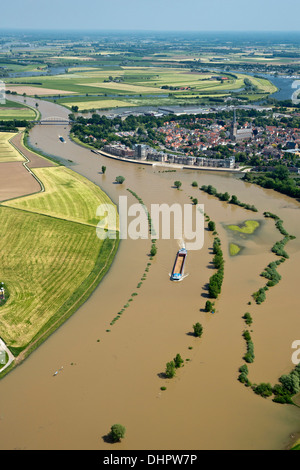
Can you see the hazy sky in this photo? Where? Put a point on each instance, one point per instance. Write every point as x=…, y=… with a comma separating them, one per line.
x=165, y=15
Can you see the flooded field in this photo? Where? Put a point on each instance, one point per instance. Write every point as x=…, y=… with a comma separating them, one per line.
x=115, y=376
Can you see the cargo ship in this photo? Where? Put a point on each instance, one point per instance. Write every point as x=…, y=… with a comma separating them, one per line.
x=178, y=267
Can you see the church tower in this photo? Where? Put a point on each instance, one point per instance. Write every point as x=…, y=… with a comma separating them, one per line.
x=234, y=127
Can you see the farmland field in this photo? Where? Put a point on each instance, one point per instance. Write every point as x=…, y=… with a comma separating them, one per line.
x=16, y=181
x=262, y=83
x=47, y=264
x=7, y=152
x=67, y=196
x=53, y=257
x=35, y=90
x=97, y=104
x=22, y=68
x=7, y=114
x=125, y=87
x=12, y=110
x=136, y=80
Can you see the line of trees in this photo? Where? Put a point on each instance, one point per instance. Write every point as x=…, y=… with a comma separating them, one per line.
x=173, y=365
x=216, y=280
x=270, y=271
x=249, y=356
x=226, y=197
x=279, y=180
x=284, y=391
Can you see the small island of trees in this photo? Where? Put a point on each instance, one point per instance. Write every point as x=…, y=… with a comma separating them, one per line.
x=120, y=179
x=117, y=432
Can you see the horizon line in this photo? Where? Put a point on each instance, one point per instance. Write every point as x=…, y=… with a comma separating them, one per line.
x=146, y=30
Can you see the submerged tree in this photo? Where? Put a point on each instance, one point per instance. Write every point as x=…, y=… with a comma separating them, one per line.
x=178, y=361
x=198, y=329
x=209, y=306
x=153, y=250
x=170, y=369
x=211, y=226
x=117, y=432
x=120, y=179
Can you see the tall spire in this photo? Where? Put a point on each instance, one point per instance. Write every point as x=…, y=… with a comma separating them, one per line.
x=234, y=126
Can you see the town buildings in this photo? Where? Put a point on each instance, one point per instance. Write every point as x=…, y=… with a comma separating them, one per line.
x=144, y=152
x=211, y=142
x=237, y=134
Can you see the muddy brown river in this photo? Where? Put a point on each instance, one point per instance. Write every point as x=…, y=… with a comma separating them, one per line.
x=115, y=377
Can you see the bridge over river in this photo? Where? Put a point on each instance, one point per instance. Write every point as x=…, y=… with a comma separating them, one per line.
x=53, y=120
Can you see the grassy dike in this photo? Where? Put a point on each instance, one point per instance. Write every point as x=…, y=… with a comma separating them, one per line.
x=52, y=259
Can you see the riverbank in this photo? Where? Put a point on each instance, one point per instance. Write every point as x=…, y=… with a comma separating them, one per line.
x=168, y=165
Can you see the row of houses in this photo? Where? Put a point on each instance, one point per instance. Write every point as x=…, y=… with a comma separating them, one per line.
x=267, y=142
x=144, y=152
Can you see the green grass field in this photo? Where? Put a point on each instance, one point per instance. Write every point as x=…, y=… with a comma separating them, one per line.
x=96, y=104
x=13, y=110
x=125, y=87
x=22, y=68
x=44, y=264
x=8, y=114
x=7, y=152
x=52, y=258
x=248, y=228
x=262, y=84
x=234, y=249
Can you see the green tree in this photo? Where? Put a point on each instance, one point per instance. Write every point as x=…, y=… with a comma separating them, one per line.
x=243, y=377
x=225, y=196
x=209, y=306
x=117, y=432
x=218, y=260
x=248, y=319
x=198, y=329
x=153, y=250
x=291, y=382
x=234, y=199
x=263, y=389
x=211, y=190
x=215, y=283
x=103, y=169
x=178, y=361
x=120, y=179
x=177, y=184
x=211, y=226
x=170, y=369
x=281, y=172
